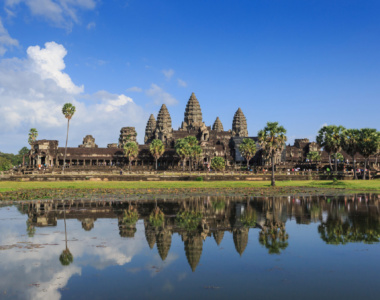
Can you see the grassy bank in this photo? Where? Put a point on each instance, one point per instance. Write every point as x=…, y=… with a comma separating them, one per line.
x=354, y=185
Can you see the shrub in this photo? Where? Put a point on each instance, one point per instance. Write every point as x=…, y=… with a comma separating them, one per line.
x=218, y=163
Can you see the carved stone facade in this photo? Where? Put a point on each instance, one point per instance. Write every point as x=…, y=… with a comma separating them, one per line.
x=127, y=134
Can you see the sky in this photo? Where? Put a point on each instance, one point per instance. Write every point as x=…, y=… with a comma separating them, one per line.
x=302, y=63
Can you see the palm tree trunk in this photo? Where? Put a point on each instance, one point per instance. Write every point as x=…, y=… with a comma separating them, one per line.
x=156, y=163
x=183, y=164
x=190, y=162
x=64, y=219
x=330, y=161
x=129, y=163
x=335, y=163
x=365, y=167
x=353, y=163
x=247, y=163
x=67, y=138
x=273, y=182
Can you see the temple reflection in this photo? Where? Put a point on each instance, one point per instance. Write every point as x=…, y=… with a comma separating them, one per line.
x=343, y=219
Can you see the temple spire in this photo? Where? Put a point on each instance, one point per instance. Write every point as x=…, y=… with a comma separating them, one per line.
x=239, y=124
x=149, y=129
x=193, y=114
x=218, y=126
x=164, y=120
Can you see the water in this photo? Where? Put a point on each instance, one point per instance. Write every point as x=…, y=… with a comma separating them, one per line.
x=201, y=247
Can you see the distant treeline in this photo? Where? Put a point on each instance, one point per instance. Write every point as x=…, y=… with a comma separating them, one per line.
x=8, y=160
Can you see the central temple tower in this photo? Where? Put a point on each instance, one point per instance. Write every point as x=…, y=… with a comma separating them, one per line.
x=193, y=114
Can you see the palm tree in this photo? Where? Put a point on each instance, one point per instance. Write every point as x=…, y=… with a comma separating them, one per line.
x=131, y=150
x=272, y=140
x=194, y=149
x=350, y=144
x=33, y=134
x=322, y=140
x=66, y=257
x=156, y=148
x=330, y=137
x=182, y=148
x=247, y=149
x=368, y=144
x=68, y=110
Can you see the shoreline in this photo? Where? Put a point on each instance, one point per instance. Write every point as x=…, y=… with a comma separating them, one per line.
x=136, y=190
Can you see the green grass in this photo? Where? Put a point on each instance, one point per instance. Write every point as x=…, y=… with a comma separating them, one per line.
x=357, y=185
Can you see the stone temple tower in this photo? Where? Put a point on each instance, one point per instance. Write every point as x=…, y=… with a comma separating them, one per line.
x=150, y=129
x=218, y=126
x=193, y=114
x=164, y=130
x=239, y=124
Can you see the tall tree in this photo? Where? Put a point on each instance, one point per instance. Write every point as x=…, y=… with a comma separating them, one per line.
x=183, y=150
x=247, y=149
x=156, y=148
x=350, y=144
x=368, y=144
x=194, y=149
x=68, y=111
x=330, y=138
x=131, y=150
x=272, y=140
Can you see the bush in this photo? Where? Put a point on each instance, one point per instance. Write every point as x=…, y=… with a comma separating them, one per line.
x=5, y=164
x=200, y=178
x=218, y=163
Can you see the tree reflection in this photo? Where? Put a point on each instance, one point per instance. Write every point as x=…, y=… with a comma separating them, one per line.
x=66, y=258
x=274, y=238
x=355, y=229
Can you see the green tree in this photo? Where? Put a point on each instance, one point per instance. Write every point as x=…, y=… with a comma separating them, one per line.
x=338, y=156
x=272, y=140
x=218, y=163
x=313, y=156
x=68, y=111
x=157, y=148
x=350, y=144
x=131, y=150
x=182, y=148
x=195, y=151
x=247, y=149
x=5, y=164
x=330, y=137
x=32, y=136
x=368, y=144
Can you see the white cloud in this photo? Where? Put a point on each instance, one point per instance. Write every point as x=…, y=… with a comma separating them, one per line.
x=181, y=83
x=160, y=96
x=49, y=63
x=91, y=25
x=134, y=89
x=33, y=91
x=5, y=40
x=168, y=73
x=62, y=13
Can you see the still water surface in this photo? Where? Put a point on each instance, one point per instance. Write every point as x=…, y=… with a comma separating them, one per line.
x=310, y=247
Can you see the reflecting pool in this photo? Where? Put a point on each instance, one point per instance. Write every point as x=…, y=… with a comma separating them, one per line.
x=292, y=247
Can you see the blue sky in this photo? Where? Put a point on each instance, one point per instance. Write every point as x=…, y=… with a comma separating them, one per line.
x=301, y=63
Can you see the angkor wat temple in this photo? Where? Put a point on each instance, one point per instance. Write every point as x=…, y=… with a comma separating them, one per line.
x=214, y=141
